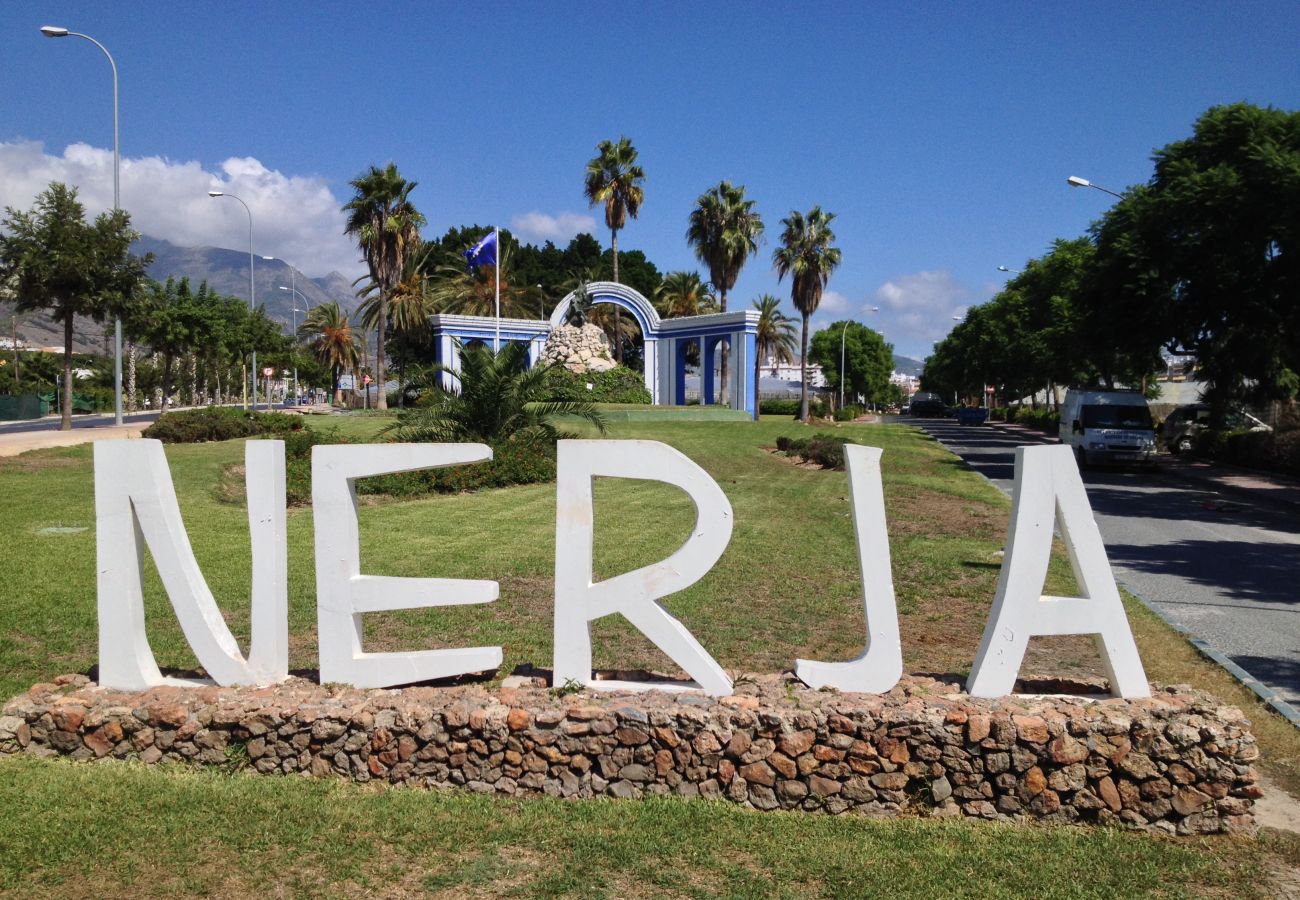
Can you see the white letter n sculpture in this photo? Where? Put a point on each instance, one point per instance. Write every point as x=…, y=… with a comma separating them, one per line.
x=578, y=601
x=135, y=504
x=1049, y=490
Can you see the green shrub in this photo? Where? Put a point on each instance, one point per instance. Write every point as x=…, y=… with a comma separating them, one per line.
x=218, y=423
x=849, y=413
x=527, y=458
x=618, y=385
x=1044, y=419
x=826, y=450
x=790, y=407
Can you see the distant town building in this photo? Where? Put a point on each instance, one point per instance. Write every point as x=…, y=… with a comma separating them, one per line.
x=793, y=372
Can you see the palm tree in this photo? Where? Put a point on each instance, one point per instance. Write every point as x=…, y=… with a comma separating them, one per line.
x=409, y=307
x=724, y=229
x=329, y=335
x=387, y=228
x=807, y=256
x=684, y=294
x=614, y=179
x=498, y=397
x=774, y=338
x=455, y=289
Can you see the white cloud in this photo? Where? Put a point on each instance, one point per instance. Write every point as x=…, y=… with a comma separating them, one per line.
x=920, y=306
x=834, y=303
x=540, y=226
x=295, y=218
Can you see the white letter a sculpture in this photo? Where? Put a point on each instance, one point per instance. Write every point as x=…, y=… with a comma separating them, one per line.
x=1048, y=489
x=135, y=504
x=578, y=601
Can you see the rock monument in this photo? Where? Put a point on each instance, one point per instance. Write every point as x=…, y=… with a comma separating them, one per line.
x=578, y=345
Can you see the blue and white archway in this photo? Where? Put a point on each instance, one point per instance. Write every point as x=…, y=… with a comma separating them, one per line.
x=666, y=343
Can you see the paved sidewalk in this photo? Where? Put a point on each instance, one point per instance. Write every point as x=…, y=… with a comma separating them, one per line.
x=14, y=444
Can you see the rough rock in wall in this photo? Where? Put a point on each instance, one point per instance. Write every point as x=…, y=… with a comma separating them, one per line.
x=1178, y=762
x=584, y=349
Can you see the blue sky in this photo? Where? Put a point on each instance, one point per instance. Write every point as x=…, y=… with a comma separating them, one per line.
x=940, y=134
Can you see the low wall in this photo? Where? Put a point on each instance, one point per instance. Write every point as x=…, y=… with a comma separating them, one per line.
x=1177, y=762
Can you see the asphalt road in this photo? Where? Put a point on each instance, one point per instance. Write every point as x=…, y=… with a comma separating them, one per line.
x=88, y=420
x=1223, y=566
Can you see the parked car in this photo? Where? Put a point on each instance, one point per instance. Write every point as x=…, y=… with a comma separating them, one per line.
x=1108, y=426
x=926, y=405
x=1179, y=431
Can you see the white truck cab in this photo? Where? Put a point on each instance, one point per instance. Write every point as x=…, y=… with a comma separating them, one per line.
x=1108, y=427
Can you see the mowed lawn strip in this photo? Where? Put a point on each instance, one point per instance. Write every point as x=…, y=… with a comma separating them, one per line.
x=71, y=829
x=788, y=586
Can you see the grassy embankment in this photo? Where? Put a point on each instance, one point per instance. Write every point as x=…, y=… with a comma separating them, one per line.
x=787, y=586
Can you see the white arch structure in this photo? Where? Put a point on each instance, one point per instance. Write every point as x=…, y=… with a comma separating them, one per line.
x=666, y=343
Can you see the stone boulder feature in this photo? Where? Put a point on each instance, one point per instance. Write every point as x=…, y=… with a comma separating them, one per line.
x=578, y=349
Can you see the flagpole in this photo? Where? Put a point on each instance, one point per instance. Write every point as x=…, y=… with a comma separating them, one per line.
x=496, y=341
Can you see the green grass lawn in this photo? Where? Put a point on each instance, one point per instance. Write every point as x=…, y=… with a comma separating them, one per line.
x=787, y=586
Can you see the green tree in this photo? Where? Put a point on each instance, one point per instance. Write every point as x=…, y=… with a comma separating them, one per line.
x=774, y=339
x=683, y=294
x=614, y=179
x=497, y=397
x=329, y=334
x=808, y=256
x=1205, y=257
x=868, y=359
x=387, y=227
x=724, y=230
x=66, y=266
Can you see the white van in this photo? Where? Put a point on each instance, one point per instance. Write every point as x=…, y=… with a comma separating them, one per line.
x=1108, y=426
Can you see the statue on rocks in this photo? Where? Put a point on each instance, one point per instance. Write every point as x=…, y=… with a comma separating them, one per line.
x=578, y=345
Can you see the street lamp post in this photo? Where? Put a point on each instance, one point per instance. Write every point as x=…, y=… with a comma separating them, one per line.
x=293, y=295
x=1076, y=181
x=252, y=296
x=54, y=31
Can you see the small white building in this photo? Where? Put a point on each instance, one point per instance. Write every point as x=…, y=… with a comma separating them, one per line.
x=793, y=372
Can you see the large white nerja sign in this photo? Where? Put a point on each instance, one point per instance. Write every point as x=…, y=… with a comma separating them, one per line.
x=135, y=506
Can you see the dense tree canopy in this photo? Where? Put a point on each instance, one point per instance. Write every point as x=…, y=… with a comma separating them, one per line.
x=1200, y=261
x=868, y=360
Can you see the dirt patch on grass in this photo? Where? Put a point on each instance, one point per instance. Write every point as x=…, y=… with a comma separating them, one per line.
x=925, y=512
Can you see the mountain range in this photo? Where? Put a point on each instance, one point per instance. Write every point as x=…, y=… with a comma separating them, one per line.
x=226, y=272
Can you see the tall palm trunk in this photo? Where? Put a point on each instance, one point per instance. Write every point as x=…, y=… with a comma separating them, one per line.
x=381, y=395
x=132, y=401
x=803, y=365
x=618, y=331
x=66, y=423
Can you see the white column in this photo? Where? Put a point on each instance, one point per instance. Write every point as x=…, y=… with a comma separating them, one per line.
x=650, y=354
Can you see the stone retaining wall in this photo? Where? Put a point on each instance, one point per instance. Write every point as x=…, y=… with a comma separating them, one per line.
x=1175, y=762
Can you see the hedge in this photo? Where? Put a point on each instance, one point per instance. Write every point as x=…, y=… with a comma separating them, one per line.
x=617, y=385
x=219, y=423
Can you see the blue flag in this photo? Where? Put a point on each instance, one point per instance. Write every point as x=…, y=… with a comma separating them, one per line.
x=484, y=253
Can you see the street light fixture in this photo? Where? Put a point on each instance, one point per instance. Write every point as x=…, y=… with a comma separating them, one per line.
x=1008, y=271
x=1076, y=181
x=55, y=31
x=843, y=331
x=294, y=293
x=252, y=295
